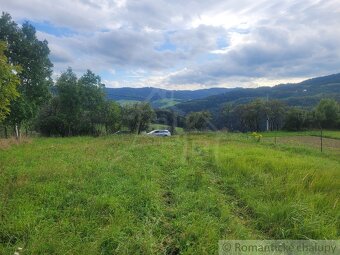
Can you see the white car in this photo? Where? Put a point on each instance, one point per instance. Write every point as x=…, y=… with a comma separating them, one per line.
x=159, y=133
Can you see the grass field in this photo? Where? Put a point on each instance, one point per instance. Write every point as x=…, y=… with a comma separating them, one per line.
x=127, y=102
x=326, y=134
x=165, y=102
x=307, y=139
x=177, y=195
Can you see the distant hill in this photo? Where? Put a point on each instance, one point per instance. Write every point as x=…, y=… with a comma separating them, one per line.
x=305, y=94
x=159, y=98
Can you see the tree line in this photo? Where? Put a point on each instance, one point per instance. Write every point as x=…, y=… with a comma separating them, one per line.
x=271, y=115
x=265, y=115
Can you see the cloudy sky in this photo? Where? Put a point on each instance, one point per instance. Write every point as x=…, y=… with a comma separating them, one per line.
x=188, y=44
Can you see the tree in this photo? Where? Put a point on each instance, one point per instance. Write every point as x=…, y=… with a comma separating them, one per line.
x=138, y=116
x=21, y=112
x=327, y=113
x=9, y=82
x=92, y=99
x=227, y=115
x=198, y=120
x=82, y=101
x=295, y=119
x=70, y=100
x=251, y=116
x=78, y=107
x=50, y=121
x=275, y=111
x=91, y=91
x=112, y=116
x=31, y=54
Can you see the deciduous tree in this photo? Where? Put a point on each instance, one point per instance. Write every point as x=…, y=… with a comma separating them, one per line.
x=138, y=116
x=198, y=120
x=327, y=113
x=31, y=54
x=9, y=81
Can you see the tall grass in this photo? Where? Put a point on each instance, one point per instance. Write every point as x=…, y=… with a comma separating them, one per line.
x=334, y=134
x=145, y=195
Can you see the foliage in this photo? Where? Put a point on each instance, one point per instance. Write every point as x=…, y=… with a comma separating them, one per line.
x=50, y=120
x=112, y=116
x=137, y=117
x=327, y=113
x=198, y=120
x=9, y=82
x=259, y=115
x=251, y=115
x=275, y=111
x=31, y=54
x=78, y=107
x=21, y=112
x=70, y=100
x=256, y=136
x=295, y=119
x=226, y=116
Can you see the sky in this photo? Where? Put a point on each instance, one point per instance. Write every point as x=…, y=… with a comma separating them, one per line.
x=188, y=44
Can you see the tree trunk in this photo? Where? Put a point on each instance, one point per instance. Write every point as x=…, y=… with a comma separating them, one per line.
x=17, y=132
x=139, y=127
x=267, y=124
x=6, y=135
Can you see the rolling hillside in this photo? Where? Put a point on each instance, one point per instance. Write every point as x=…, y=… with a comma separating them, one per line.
x=305, y=94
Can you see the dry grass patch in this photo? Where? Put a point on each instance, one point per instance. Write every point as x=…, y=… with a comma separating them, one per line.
x=7, y=143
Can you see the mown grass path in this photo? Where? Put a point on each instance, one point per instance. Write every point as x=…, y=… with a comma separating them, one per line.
x=178, y=195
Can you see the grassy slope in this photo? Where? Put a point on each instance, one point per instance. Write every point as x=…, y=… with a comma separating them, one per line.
x=126, y=102
x=162, y=195
x=165, y=103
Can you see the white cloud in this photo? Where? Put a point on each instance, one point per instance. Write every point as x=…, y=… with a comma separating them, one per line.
x=190, y=44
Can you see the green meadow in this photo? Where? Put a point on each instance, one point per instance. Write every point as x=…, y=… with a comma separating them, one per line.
x=333, y=134
x=174, y=195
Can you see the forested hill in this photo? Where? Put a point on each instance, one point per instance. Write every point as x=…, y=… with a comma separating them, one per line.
x=305, y=94
x=159, y=97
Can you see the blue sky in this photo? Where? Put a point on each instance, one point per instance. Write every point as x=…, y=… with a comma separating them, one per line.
x=49, y=28
x=188, y=44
